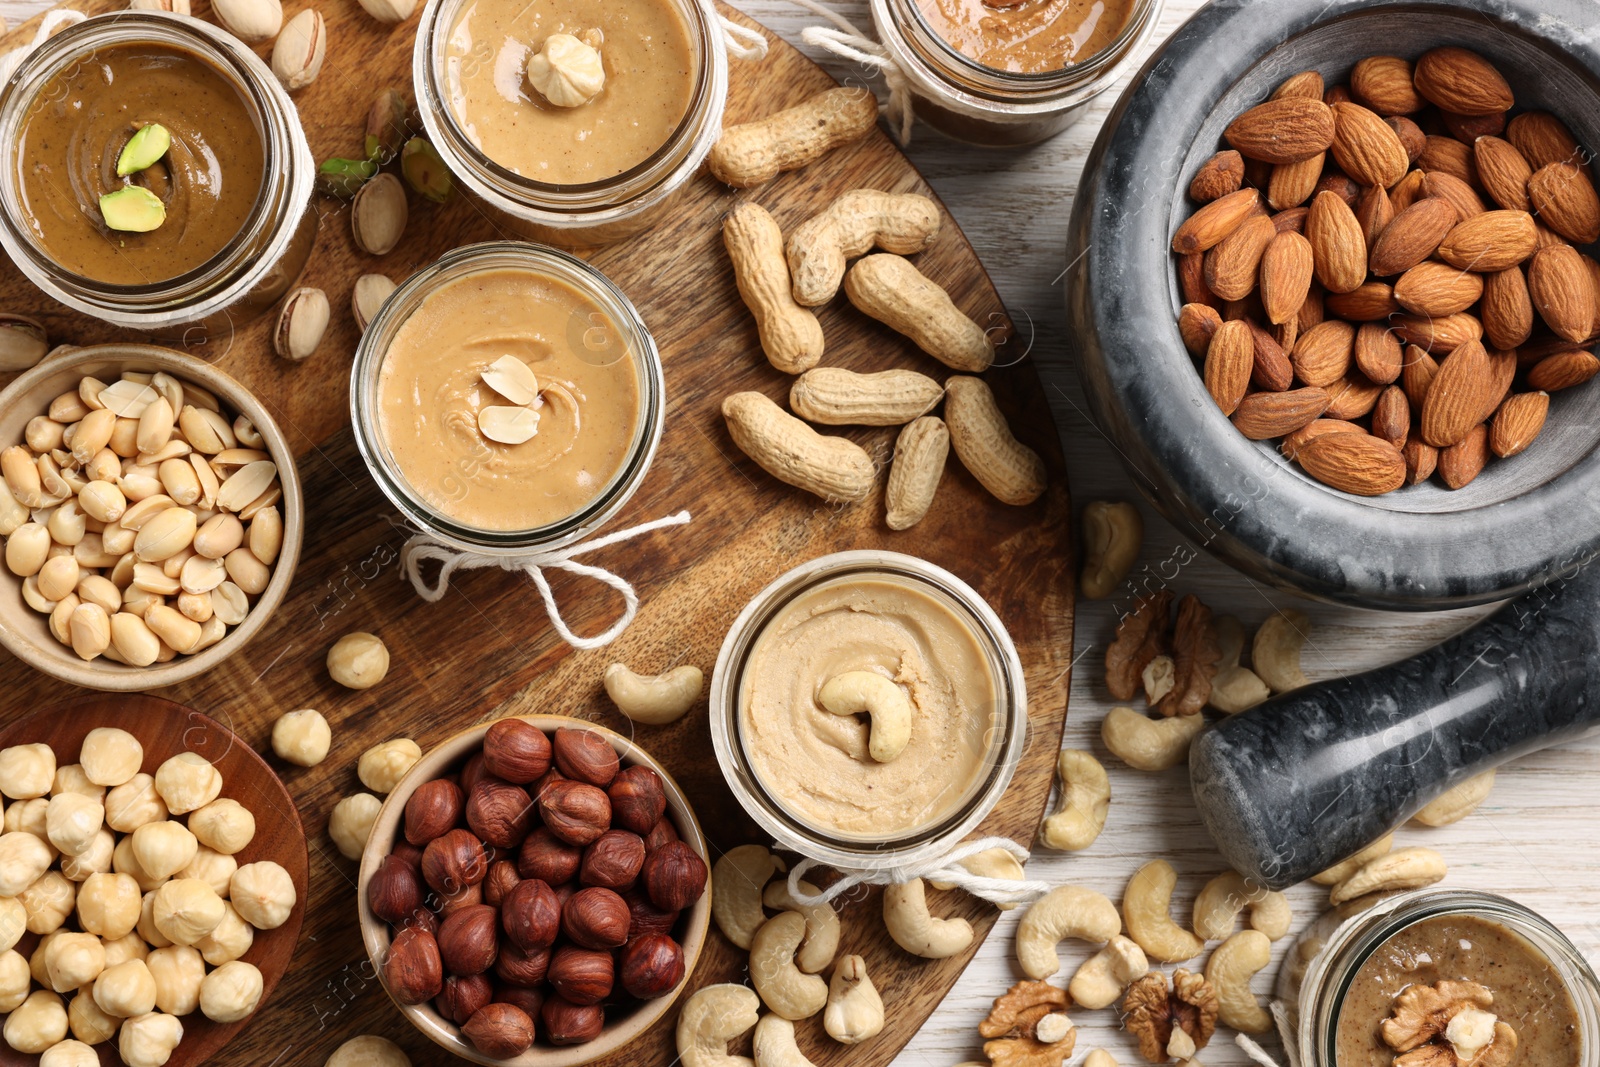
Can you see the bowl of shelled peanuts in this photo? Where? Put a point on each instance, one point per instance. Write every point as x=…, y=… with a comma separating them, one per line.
x=1338, y=297
x=150, y=512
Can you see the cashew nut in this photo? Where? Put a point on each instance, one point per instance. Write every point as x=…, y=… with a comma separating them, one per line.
x=1158, y=676
x=1112, y=533
x=736, y=883
x=784, y=988
x=1457, y=803
x=654, y=699
x=905, y=913
x=822, y=924
x=1066, y=911
x=1106, y=975
x=1234, y=688
x=1220, y=902
x=854, y=692
x=1229, y=971
x=1276, y=651
x=1099, y=1058
x=855, y=1010
x=1053, y=1028
x=1085, y=799
x=1340, y=871
x=1146, y=905
x=775, y=1045
x=1406, y=868
x=1147, y=744
x=990, y=863
x=710, y=1019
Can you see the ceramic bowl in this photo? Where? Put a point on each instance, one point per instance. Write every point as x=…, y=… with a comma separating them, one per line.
x=1519, y=524
x=25, y=632
x=621, y=1029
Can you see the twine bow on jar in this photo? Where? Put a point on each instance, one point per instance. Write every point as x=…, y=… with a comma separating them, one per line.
x=946, y=868
x=848, y=42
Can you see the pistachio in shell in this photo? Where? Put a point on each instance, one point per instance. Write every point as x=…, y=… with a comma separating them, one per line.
x=344, y=177
x=132, y=209
x=23, y=342
x=301, y=323
x=386, y=126
x=424, y=171
x=378, y=215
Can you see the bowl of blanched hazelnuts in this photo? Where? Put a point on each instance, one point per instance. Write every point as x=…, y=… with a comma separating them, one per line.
x=535, y=892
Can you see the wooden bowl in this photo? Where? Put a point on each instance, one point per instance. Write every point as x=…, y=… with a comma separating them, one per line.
x=166, y=729
x=618, y=1033
x=25, y=632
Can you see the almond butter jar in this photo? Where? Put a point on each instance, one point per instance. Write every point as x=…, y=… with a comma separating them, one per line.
x=819, y=777
x=1016, y=74
x=231, y=193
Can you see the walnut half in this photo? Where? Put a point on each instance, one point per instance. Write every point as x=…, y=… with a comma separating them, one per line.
x=1151, y=1011
x=1446, y=1025
x=1013, y=1027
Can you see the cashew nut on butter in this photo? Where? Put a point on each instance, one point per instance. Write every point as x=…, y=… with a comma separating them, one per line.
x=737, y=880
x=1085, y=799
x=1147, y=744
x=784, y=988
x=1220, y=902
x=1455, y=804
x=1229, y=971
x=1067, y=911
x=654, y=699
x=855, y=1010
x=775, y=1045
x=1146, y=905
x=1105, y=976
x=822, y=924
x=302, y=737
x=1406, y=868
x=713, y=1016
x=905, y=913
x=990, y=863
x=1275, y=653
x=855, y=692
x=1112, y=535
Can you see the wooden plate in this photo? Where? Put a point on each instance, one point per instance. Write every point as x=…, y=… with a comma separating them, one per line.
x=166, y=729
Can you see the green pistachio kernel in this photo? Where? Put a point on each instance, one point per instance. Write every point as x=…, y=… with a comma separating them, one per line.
x=146, y=146
x=133, y=209
x=342, y=177
x=424, y=171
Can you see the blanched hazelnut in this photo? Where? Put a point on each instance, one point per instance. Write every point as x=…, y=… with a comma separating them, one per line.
x=212, y=868
x=231, y=939
x=108, y=905
x=178, y=971
x=358, y=661
x=186, y=909
x=223, y=825
x=89, y=1022
x=163, y=848
x=110, y=756
x=27, y=771
x=30, y=817
x=16, y=980
x=382, y=766
x=71, y=778
x=96, y=859
x=37, y=1023
x=368, y=1050
x=127, y=947
x=351, y=823
x=48, y=902
x=148, y=1040
x=187, y=781
x=13, y=922
x=126, y=990
x=74, y=960
x=69, y=1054
x=72, y=820
x=124, y=861
x=134, y=803
x=146, y=927
x=231, y=992
x=302, y=737
x=263, y=893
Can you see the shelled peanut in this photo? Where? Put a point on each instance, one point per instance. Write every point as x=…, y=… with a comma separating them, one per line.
x=1385, y=275
x=140, y=518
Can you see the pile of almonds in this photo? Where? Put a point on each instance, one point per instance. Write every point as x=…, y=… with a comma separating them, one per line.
x=544, y=882
x=1385, y=274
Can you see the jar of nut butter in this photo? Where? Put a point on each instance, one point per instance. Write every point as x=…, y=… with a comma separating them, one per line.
x=160, y=180
x=1000, y=73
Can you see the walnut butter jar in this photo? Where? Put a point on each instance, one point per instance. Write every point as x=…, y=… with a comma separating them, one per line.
x=571, y=122
x=198, y=231
x=507, y=398
x=1014, y=74
x=868, y=709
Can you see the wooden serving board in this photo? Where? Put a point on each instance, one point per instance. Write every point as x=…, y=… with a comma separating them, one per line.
x=487, y=650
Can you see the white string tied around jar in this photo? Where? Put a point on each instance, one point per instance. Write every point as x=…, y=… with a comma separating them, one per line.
x=946, y=868
x=422, y=548
x=52, y=21
x=848, y=42
x=742, y=42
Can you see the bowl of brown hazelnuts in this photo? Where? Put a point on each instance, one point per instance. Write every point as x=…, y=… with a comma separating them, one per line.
x=535, y=892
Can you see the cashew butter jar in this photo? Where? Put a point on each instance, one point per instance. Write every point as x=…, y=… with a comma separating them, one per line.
x=572, y=122
x=507, y=398
x=868, y=709
x=160, y=180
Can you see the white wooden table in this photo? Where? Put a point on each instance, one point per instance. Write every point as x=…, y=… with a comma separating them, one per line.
x=1534, y=840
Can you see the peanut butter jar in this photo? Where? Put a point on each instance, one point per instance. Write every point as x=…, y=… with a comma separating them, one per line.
x=971, y=88
x=236, y=182
x=816, y=779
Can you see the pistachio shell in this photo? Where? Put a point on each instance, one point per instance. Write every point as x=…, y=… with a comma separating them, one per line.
x=370, y=291
x=299, y=50
x=378, y=215
x=22, y=342
x=301, y=323
x=250, y=20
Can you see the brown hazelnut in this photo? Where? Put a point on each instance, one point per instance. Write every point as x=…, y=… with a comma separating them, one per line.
x=674, y=876
x=394, y=890
x=651, y=966
x=412, y=971
x=519, y=968
x=501, y=879
x=637, y=799
x=471, y=772
x=566, y=1023
x=408, y=852
x=576, y=812
x=433, y=808
x=529, y=1000
x=531, y=914
x=595, y=918
x=548, y=858
x=467, y=896
x=423, y=919
x=536, y=790
x=453, y=861
x=613, y=861
x=500, y=813
x=585, y=756
x=564, y=892
x=469, y=940
x=499, y=1031
x=516, y=750
x=662, y=833
x=581, y=975
x=462, y=995
x=644, y=918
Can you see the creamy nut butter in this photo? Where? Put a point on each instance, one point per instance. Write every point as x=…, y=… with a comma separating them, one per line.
x=521, y=82
x=1028, y=36
x=817, y=764
x=503, y=451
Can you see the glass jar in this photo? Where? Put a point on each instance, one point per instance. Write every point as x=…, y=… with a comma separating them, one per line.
x=1004, y=738
x=635, y=343
x=1319, y=970
x=981, y=105
x=590, y=214
x=252, y=271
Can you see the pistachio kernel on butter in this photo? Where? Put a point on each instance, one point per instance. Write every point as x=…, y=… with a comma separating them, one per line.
x=146, y=146
x=132, y=209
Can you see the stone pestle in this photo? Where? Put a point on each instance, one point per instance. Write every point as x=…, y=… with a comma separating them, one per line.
x=1299, y=783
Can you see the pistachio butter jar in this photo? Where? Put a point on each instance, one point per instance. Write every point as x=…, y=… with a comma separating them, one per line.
x=815, y=780
x=438, y=355
x=207, y=273
x=983, y=105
